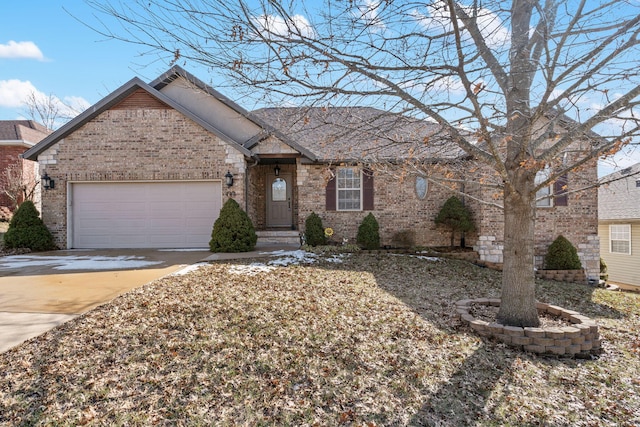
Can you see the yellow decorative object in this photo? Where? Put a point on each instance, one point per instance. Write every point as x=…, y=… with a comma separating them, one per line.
x=328, y=231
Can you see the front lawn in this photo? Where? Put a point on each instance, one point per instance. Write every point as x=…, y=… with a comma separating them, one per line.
x=359, y=340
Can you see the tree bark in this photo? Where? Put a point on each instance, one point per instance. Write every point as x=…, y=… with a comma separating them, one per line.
x=518, y=302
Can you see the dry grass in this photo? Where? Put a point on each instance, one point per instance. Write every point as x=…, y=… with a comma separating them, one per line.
x=367, y=342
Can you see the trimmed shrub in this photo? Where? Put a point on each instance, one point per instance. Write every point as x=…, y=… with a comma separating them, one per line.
x=26, y=230
x=562, y=255
x=368, y=233
x=314, y=231
x=456, y=217
x=233, y=230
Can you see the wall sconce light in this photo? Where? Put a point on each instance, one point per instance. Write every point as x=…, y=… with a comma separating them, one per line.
x=47, y=182
x=228, y=178
x=276, y=170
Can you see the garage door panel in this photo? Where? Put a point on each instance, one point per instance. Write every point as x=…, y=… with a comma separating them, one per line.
x=144, y=215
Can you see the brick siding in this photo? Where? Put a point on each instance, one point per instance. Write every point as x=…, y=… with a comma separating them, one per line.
x=9, y=156
x=135, y=145
x=396, y=207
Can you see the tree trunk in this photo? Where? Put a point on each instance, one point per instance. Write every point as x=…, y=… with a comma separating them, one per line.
x=518, y=306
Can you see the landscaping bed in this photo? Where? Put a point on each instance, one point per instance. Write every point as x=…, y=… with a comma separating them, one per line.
x=364, y=339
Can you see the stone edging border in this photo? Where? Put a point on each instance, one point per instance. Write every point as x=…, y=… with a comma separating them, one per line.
x=579, y=339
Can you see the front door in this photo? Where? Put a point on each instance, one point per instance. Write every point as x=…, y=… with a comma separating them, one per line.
x=279, y=200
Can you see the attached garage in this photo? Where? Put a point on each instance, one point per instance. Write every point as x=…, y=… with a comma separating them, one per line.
x=154, y=214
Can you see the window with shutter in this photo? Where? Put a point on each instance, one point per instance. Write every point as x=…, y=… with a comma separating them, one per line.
x=351, y=189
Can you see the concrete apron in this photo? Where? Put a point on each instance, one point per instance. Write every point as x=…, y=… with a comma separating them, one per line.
x=37, y=297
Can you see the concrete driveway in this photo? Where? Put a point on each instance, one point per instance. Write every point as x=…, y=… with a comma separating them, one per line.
x=40, y=291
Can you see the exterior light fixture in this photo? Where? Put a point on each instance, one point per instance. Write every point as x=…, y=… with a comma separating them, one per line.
x=276, y=170
x=47, y=182
x=228, y=178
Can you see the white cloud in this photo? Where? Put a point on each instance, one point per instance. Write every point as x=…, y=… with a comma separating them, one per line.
x=490, y=25
x=271, y=25
x=21, y=50
x=368, y=11
x=14, y=93
x=450, y=85
x=75, y=105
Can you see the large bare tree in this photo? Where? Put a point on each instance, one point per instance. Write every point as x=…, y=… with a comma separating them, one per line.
x=511, y=73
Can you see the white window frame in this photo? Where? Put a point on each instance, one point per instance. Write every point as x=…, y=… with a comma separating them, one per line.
x=339, y=189
x=544, y=196
x=623, y=234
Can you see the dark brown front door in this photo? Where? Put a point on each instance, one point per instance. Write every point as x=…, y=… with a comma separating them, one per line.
x=279, y=211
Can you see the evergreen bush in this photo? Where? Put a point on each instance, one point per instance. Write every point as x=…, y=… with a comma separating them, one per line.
x=562, y=255
x=26, y=230
x=233, y=231
x=314, y=231
x=368, y=233
x=456, y=217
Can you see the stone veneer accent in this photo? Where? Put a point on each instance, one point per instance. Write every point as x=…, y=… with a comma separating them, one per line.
x=580, y=339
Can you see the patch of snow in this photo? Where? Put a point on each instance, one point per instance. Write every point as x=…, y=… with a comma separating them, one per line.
x=188, y=269
x=284, y=259
x=426, y=258
x=293, y=258
x=337, y=258
x=251, y=269
x=14, y=262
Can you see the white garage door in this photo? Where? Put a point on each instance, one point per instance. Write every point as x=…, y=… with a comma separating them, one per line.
x=144, y=214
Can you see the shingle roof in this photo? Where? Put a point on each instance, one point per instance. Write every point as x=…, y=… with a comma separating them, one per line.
x=621, y=198
x=22, y=130
x=360, y=133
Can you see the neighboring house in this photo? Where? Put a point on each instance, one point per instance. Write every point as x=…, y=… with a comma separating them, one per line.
x=16, y=174
x=619, y=225
x=147, y=166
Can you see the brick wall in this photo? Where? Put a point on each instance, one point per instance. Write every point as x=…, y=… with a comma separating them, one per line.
x=9, y=157
x=578, y=222
x=396, y=207
x=135, y=145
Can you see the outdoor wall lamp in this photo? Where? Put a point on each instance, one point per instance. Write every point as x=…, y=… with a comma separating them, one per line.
x=228, y=178
x=276, y=170
x=47, y=182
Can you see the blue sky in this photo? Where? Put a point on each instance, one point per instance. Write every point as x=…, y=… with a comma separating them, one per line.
x=64, y=57
x=45, y=48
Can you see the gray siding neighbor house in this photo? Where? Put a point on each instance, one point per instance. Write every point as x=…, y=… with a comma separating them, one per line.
x=619, y=226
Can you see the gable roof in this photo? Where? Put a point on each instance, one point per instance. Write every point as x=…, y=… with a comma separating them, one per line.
x=111, y=100
x=21, y=132
x=350, y=134
x=620, y=199
x=268, y=130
